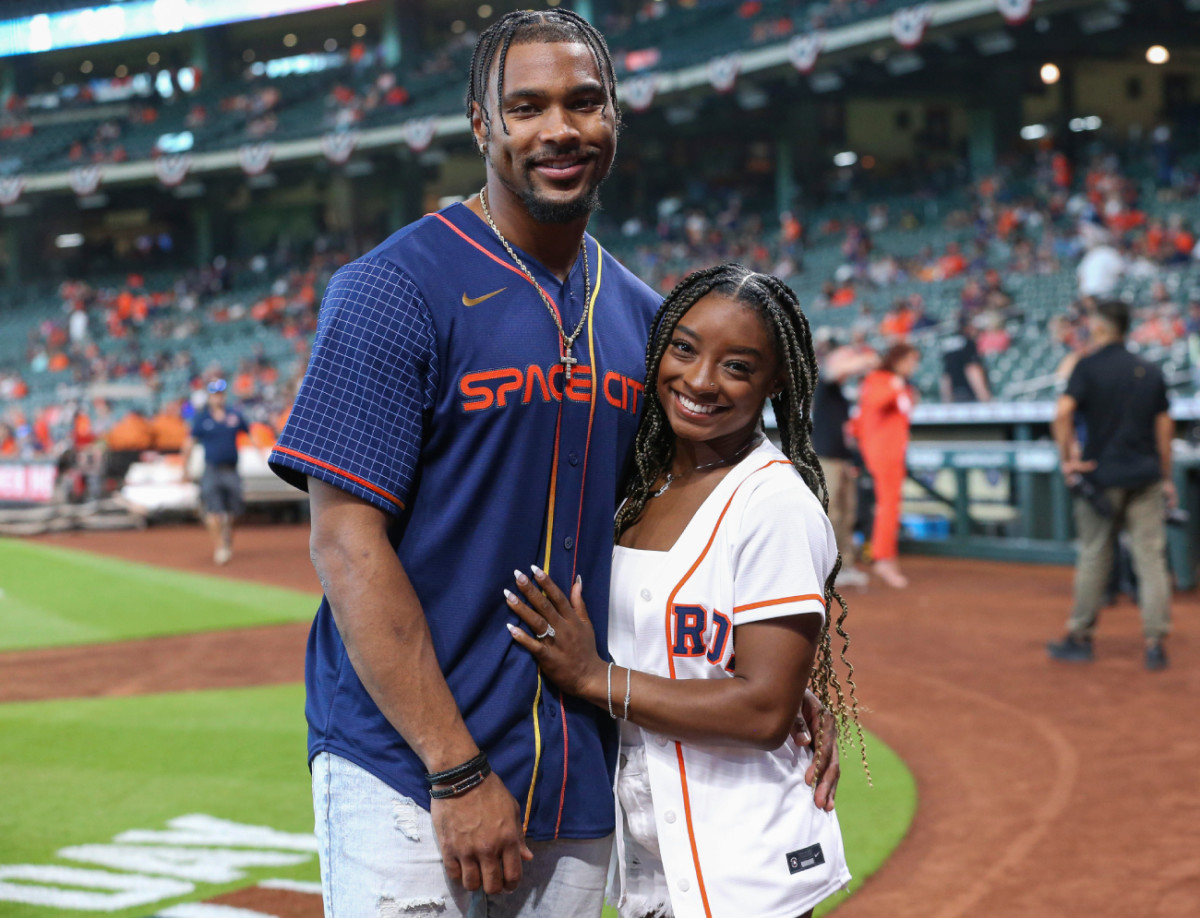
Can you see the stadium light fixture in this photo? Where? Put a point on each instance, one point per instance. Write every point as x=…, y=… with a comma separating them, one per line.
x=85, y=67
x=1050, y=74
x=484, y=11
x=359, y=30
x=68, y=241
x=152, y=58
x=1090, y=123
x=1033, y=132
x=289, y=40
x=331, y=45
x=458, y=27
x=843, y=160
x=1157, y=54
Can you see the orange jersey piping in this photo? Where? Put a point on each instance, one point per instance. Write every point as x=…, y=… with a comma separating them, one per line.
x=687, y=804
x=333, y=468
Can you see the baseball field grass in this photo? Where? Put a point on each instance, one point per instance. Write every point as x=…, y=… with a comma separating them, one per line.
x=52, y=597
x=79, y=774
x=130, y=806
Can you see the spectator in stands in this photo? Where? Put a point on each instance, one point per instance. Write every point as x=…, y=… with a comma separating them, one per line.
x=885, y=406
x=964, y=377
x=1121, y=478
x=216, y=428
x=898, y=322
x=1103, y=266
x=839, y=364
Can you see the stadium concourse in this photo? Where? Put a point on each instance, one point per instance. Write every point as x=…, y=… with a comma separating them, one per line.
x=1043, y=790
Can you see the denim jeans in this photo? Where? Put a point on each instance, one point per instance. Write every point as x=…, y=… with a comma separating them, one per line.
x=380, y=859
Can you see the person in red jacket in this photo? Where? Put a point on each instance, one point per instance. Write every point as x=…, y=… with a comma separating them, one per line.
x=886, y=401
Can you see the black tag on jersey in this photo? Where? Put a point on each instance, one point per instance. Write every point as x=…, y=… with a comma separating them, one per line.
x=812, y=856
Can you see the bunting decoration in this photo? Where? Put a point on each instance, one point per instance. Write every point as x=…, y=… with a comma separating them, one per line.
x=11, y=187
x=256, y=157
x=419, y=134
x=86, y=179
x=172, y=168
x=804, y=49
x=639, y=91
x=1015, y=12
x=723, y=71
x=909, y=24
x=338, y=145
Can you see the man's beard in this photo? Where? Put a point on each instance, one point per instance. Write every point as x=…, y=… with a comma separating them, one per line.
x=544, y=211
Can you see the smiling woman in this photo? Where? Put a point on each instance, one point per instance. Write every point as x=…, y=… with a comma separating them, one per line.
x=719, y=618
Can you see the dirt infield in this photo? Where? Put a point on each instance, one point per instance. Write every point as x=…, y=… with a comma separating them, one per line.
x=1045, y=789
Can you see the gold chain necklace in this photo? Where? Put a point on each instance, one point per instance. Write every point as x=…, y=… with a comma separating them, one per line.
x=568, y=341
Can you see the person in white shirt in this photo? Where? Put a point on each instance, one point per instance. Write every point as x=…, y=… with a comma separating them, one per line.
x=722, y=576
x=1102, y=267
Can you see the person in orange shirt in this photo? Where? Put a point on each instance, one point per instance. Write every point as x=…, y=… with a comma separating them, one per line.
x=886, y=401
x=898, y=322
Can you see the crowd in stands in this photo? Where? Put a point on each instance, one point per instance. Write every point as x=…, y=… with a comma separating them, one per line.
x=358, y=84
x=1037, y=220
x=873, y=275
x=138, y=348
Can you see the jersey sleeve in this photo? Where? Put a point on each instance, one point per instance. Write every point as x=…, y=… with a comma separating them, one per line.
x=358, y=419
x=782, y=554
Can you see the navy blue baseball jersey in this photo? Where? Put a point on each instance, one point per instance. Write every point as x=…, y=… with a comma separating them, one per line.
x=436, y=393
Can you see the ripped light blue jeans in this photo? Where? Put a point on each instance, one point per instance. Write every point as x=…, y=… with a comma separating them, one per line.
x=380, y=859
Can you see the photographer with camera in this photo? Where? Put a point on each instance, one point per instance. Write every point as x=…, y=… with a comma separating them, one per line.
x=1121, y=477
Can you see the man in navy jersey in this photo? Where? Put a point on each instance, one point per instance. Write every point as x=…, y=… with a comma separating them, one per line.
x=470, y=403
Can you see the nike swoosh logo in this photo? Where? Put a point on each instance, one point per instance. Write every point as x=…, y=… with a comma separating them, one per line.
x=475, y=301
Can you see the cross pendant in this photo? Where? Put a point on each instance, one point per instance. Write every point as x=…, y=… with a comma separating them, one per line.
x=568, y=361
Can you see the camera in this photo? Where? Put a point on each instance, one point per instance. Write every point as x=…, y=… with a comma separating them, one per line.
x=1081, y=487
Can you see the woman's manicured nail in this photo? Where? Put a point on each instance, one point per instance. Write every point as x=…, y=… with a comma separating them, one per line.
x=537, y=572
x=512, y=629
x=521, y=578
x=511, y=597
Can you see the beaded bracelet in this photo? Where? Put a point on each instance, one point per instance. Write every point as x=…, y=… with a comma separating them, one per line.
x=463, y=785
x=450, y=775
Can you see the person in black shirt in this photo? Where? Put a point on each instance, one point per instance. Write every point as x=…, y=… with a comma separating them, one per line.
x=1121, y=477
x=831, y=413
x=964, y=378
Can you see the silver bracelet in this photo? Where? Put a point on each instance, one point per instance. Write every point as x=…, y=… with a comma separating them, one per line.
x=610, y=710
x=628, y=683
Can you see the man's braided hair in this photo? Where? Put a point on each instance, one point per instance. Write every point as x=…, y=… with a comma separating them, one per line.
x=530, y=26
x=654, y=447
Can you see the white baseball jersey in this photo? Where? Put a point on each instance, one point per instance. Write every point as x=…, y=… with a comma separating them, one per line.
x=739, y=834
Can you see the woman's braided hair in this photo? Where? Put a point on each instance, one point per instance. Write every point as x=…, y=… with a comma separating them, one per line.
x=529, y=26
x=654, y=447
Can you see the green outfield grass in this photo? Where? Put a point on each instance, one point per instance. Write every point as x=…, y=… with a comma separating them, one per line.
x=81, y=772
x=54, y=596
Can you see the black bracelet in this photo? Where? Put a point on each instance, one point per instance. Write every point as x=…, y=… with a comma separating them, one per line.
x=463, y=785
x=450, y=775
